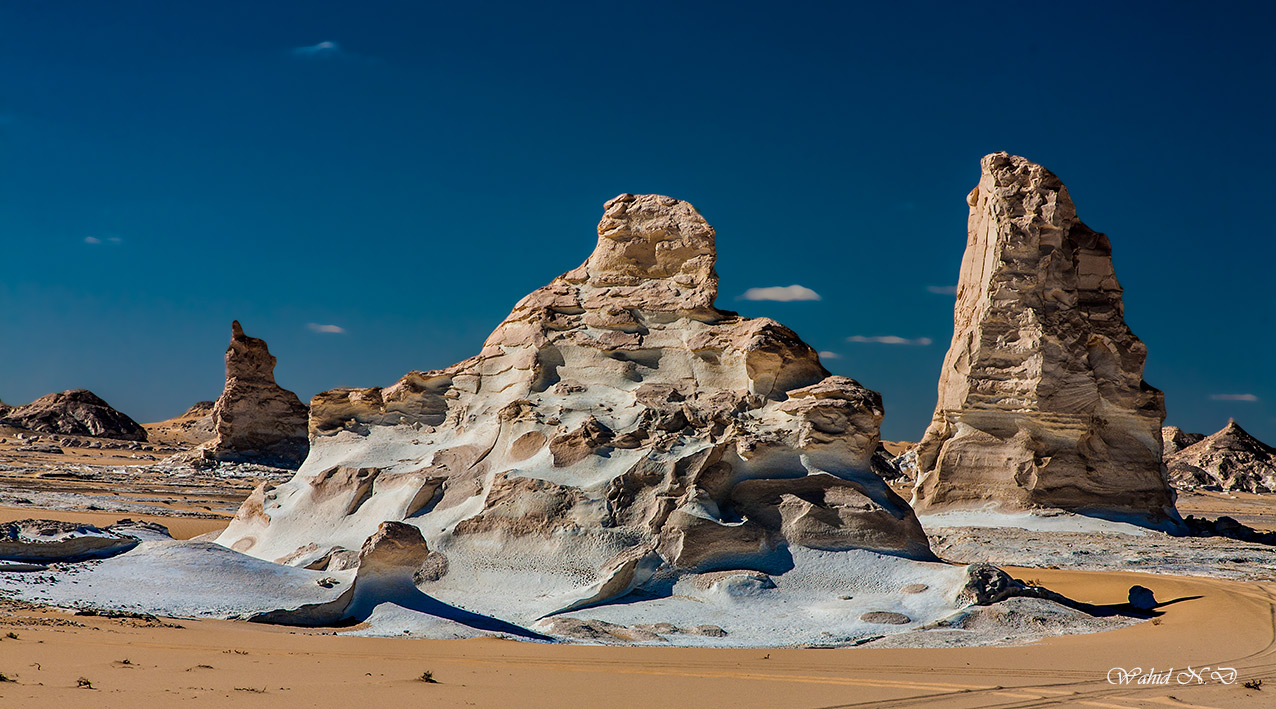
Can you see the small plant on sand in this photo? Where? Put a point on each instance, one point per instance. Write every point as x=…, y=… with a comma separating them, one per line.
x=428, y=677
x=11, y=635
x=84, y=683
x=6, y=678
x=1253, y=684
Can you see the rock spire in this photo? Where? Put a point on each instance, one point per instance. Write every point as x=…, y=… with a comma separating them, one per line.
x=255, y=420
x=1042, y=401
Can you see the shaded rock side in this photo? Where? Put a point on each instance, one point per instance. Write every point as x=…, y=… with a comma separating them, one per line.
x=615, y=425
x=76, y=412
x=1042, y=401
x=1232, y=460
x=255, y=420
x=1175, y=439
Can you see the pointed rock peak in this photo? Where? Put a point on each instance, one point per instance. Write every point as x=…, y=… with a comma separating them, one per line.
x=255, y=420
x=1233, y=432
x=248, y=357
x=653, y=252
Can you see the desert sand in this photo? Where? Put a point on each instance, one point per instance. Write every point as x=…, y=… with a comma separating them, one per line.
x=1207, y=623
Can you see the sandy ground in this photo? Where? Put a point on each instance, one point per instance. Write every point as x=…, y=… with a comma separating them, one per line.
x=1209, y=624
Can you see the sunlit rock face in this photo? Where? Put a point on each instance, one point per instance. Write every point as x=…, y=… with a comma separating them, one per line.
x=614, y=427
x=255, y=420
x=1042, y=401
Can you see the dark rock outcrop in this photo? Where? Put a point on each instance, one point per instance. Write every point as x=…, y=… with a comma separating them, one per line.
x=77, y=412
x=1231, y=460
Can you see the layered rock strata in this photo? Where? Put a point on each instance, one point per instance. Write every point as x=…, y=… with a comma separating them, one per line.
x=614, y=430
x=1042, y=401
x=76, y=412
x=1232, y=460
x=255, y=420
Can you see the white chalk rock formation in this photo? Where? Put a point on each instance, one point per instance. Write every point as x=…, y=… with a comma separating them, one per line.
x=1042, y=401
x=255, y=420
x=49, y=541
x=615, y=432
x=1231, y=459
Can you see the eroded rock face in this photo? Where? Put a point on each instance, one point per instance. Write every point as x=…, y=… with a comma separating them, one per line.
x=255, y=420
x=614, y=427
x=1175, y=439
x=49, y=541
x=1042, y=401
x=1231, y=459
x=77, y=412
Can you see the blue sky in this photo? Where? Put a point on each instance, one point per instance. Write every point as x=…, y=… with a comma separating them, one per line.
x=407, y=171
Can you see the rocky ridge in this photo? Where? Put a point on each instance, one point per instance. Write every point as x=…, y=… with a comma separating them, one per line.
x=1231, y=460
x=1175, y=439
x=1042, y=401
x=75, y=412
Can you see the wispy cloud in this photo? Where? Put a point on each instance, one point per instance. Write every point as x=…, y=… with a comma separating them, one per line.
x=782, y=294
x=825, y=354
x=326, y=329
x=942, y=290
x=1233, y=397
x=103, y=239
x=317, y=51
x=891, y=340
x=92, y=240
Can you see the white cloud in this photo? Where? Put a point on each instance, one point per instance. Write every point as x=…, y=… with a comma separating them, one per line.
x=1233, y=397
x=891, y=340
x=326, y=329
x=942, y=290
x=782, y=294
x=92, y=240
x=114, y=239
x=322, y=49
x=825, y=354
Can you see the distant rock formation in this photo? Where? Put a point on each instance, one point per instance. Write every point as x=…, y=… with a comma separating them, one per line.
x=1175, y=439
x=4, y=409
x=199, y=409
x=76, y=412
x=192, y=428
x=615, y=429
x=1231, y=459
x=255, y=420
x=1042, y=401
